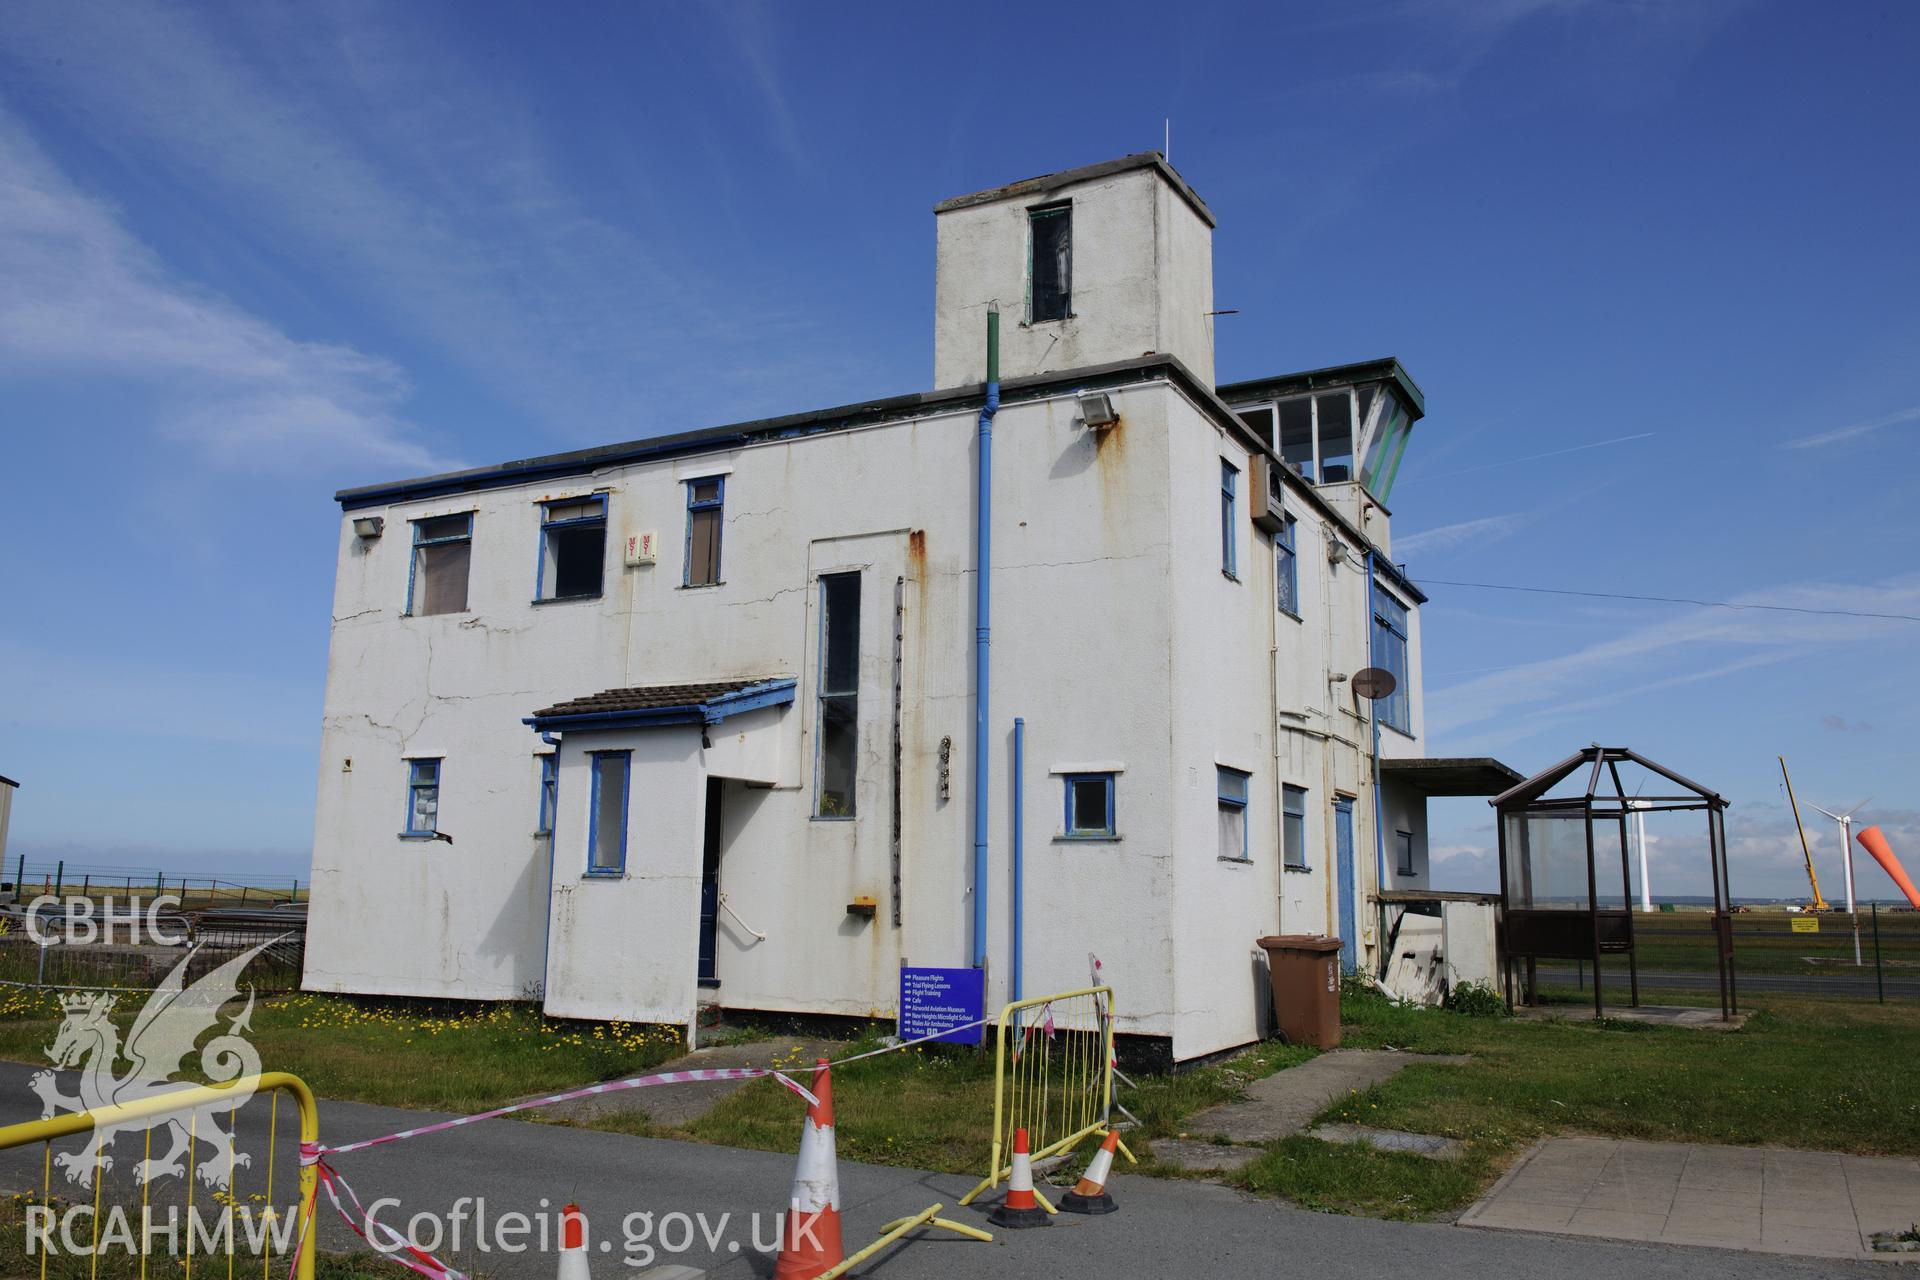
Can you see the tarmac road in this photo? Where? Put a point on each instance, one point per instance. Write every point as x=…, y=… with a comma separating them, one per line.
x=1164, y=1228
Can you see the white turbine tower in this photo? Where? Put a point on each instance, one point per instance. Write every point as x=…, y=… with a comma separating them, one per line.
x=1846, y=861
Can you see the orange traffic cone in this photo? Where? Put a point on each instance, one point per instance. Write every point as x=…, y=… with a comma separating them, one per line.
x=573, y=1244
x=810, y=1243
x=1090, y=1194
x=1020, y=1208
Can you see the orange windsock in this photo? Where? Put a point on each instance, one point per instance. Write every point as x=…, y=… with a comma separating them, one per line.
x=1876, y=844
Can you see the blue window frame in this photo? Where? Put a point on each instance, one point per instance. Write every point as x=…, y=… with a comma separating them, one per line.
x=573, y=548
x=437, y=575
x=1233, y=814
x=423, y=798
x=1229, y=484
x=1390, y=652
x=607, y=818
x=549, y=792
x=706, y=511
x=1089, y=804
x=1293, y=827
x=1286, y=569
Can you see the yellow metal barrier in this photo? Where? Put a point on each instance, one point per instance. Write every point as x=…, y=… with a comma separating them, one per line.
x=1052, y=1076
x=191, y=1099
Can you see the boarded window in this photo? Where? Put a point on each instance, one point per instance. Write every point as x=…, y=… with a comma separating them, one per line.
x=1233, y=814
x=839, y=693
x=573, y=548
x=1050, y=269
x=1089, y=805
x=442, y=555
x=706, y=507
x=607, y=834
x=1293, y=826
x=423, y=797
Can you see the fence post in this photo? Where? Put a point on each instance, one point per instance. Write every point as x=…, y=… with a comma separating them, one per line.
x=1879, y=975
x=59, y=877
x=86, y=884
x=20, y=876
x=40, y=975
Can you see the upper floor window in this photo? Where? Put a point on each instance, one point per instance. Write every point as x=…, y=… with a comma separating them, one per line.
x=1229, y=486
x=1390, y=651
x=607, y=817
x=1405, y=843
x=1089, y=806
x=423, y=797
x=1050, y=263
x=706, y=506
x=1286, y=569
x=442, y=554
x=573, y=548
x=1316, y=434
x=1233, y=813
x=839, y=699
x=1293, y=827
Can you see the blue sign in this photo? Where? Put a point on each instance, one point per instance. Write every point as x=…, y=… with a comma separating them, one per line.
x=941, y=1002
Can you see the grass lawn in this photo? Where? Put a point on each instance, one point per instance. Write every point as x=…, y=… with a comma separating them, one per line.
x=1764, y=942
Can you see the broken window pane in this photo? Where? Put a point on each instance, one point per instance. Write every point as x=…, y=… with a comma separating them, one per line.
x=573, y=548
x=1296, y=434
x=839, y=692
x=607, y=843
x=442, y=556
x=1050, y=270
x=1336, y=436
x=705, y=511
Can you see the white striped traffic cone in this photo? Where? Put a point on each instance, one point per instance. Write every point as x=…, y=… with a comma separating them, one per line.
x=1021, y=1208
x=573, y=1244
x=1090, y=1194
x=810, y=1243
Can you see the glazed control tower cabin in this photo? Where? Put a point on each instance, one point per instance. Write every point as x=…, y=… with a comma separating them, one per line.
x=692, y=719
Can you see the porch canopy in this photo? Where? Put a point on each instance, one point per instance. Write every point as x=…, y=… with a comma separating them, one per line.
x=649, y=706
x=1565, y=841
x=1450, y=775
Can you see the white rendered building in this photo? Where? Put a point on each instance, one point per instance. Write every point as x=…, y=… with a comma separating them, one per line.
x=693, y=718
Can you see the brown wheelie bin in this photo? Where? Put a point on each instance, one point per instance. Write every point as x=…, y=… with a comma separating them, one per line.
x=1305, y=971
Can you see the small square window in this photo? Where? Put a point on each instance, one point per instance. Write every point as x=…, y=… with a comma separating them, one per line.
x=1089, y=806
x=573, y=548
x=1233, y=814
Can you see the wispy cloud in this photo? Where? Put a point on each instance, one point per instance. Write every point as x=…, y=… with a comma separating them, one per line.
x=1446, y=537
x=1840, y=724
x=1868, y=427
x=1536, y=457
x=82, y=295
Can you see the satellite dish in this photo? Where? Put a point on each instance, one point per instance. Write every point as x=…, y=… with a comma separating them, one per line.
x=1374, y=683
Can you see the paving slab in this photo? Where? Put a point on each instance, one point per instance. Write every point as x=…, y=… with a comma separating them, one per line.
x=1285, y=1103
x=1417, y=1144
x=1203, y=1157
x=1806, y=1203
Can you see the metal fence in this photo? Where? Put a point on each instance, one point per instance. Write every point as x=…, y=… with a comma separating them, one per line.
x=61, y=879
x=55, y=963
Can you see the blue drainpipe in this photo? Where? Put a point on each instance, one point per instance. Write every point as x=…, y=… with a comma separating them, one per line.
x=1019, y=848
x=1379, y=834
x=982, y=631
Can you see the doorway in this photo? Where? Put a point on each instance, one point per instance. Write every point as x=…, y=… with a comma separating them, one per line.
x=710, y=887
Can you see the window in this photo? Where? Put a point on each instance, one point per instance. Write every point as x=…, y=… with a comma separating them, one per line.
x=442, y=552
x=1286, y=569
x=1390, y=652
x=607, y=827
x=573, y=548
x=1050, y=264
x=839, y=693
x=705, y=509
x=1293, y=827
x=1406, y=852
x=1089, y=806
x=1233, y=814
x=1333, y=423
x=1296, y=435
x=549, y=792
x=423, y=797
x=1229, y=483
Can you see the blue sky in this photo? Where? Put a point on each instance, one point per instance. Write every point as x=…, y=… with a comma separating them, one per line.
x=250, y=254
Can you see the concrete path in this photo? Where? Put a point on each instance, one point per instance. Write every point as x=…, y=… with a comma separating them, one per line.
x=681, y=1105
x=1769, y=1200
x=1286, y=1102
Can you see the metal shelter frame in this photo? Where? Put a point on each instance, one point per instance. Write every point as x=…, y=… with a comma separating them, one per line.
x=1532, y=932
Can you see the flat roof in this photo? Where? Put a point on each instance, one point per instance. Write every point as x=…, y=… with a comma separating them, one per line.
x=8, y=782
x=1452, y=775
x=1385, y=369
x=1048, y=183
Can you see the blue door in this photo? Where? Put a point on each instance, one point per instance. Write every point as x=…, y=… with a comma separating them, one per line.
x=1343, y=858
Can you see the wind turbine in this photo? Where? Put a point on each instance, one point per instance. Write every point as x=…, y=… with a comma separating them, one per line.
x=1846, y=860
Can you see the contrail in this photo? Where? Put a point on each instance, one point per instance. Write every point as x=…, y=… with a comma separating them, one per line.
x=1535, y=457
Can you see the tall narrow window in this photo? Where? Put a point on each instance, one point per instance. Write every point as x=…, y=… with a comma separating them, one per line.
x=1296, y=435
x=1089, y=806
x=607, y=827
x=1406, y=852
x=839, y=693
x=1286, y=569
x=1390, y=651
x=1233, y=814
x=423, y=797
x=1050, y=266
x=706, y=507
x=549, y=792
x=1293, y=827
x=1229, y=484
x=442, y=553
x=1333, y=423
x=573, y=548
